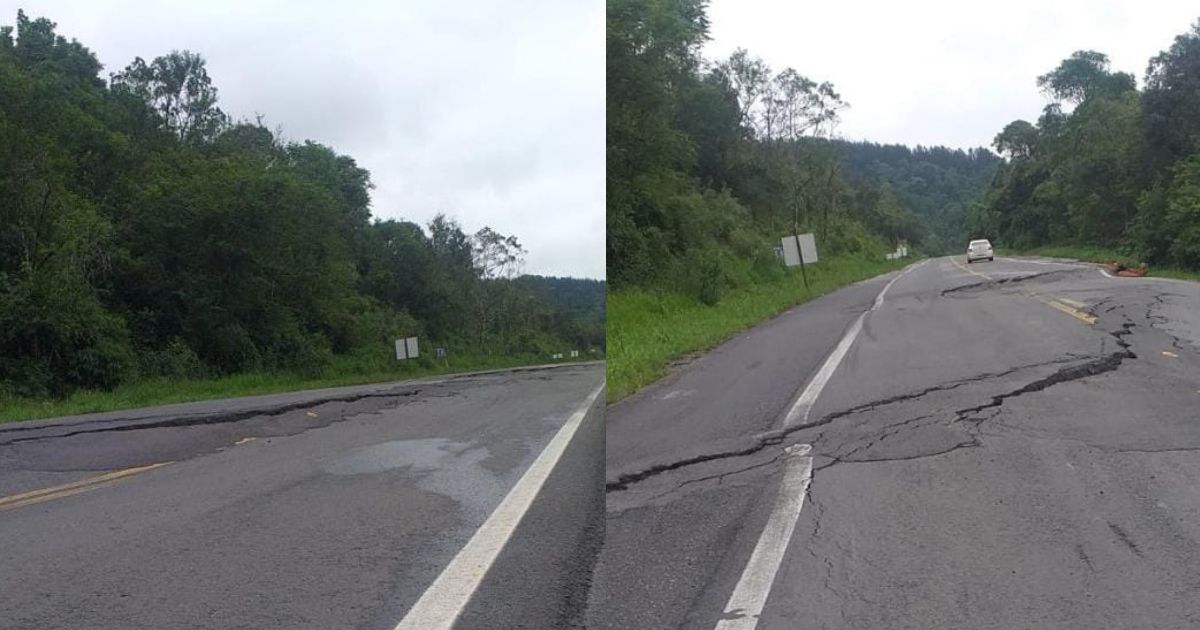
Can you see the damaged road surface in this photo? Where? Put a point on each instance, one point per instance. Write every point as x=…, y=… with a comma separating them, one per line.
x=337, y=508
x=1006, y=445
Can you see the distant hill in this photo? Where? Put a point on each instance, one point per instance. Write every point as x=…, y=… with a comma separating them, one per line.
x=577, y=303
x=937, y=184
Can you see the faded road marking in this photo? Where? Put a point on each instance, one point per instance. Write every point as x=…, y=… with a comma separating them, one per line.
x=70, y=489
x=745, y=605
x=1083, y=316
x=445, y=599
x=968, y=269
x=244, y=440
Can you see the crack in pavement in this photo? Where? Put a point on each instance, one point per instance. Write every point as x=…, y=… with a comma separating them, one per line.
x=974, y=442
x=1158, y=321
x=774, y=438
x=1091, y=367
x=871, y=406
x=1099, y=365
x=986, y=284
x=210, y=418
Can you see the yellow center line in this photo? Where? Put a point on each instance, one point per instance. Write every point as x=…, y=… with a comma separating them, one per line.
x=1063, y=305
x=1069, y=310
x=969, y=270
x=72, y=488
x=1075, y=303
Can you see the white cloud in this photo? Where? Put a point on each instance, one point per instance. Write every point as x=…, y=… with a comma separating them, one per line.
x=492, y=112
x=942, y=71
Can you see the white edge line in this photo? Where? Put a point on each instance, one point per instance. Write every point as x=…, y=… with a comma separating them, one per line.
x=746, y=603
x=800, y=409
x=442, y=603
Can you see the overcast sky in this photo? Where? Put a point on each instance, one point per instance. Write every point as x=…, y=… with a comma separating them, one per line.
x=490, y=111
x=950, y=72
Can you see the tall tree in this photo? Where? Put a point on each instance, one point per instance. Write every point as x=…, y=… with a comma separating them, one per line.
x=178, y=87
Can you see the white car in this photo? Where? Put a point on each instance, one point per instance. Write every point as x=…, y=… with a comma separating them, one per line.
x=978, y=250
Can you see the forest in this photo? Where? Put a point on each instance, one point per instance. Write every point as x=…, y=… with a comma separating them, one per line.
x=711, y=162
x=146, y=233
x=1106, y=165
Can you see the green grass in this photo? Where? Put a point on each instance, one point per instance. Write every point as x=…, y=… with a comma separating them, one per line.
x=647, y=330
x=1102, y=255
x=352, y=370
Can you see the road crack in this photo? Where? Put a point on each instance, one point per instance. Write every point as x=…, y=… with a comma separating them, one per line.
x=987, y=284
x=199, y=419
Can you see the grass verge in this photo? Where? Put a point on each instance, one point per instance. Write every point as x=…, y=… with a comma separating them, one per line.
x=161, y=391
x=649, y=329
x=1101, y=255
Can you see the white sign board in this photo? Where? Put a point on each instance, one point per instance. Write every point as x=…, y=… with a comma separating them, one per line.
x=406, y=348
x=791, y=256
x=807, y=249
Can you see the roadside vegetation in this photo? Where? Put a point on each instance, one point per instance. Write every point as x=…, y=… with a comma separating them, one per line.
x=1108, y=171
x=659, y=327
x=153, y=249
x=711, y=162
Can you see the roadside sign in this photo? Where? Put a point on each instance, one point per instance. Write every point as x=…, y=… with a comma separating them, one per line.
x=799, y=249
x=439, y=352
x=791, y=251
x=808, y=248
x=406, y=348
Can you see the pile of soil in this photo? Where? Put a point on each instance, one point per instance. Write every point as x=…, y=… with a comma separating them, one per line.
x=1117, y=269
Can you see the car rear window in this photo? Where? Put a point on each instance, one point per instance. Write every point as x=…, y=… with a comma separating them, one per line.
x=973, y=243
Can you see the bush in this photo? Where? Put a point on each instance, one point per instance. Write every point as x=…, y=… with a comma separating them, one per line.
x=177, y=360
x=701, y=274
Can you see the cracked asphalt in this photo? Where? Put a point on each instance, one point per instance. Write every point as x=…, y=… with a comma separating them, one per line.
x=984, y=457
x=323, y=509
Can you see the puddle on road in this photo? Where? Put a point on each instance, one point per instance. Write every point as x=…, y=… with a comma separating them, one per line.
x=441, y=466
x=418, y=454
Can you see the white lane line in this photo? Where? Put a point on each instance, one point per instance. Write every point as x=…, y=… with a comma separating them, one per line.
x=749, y=596
x=800, y=409
x=746, y=603
x=442, y=603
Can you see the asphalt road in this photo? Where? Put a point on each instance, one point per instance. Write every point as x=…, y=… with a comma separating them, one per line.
x=1013, y=444
x=347, y=508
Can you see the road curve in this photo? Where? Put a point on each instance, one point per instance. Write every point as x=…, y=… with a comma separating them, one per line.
x=1002, y=445
x=331, y=509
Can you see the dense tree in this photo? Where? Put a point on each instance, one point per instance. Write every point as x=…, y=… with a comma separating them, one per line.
x=144, y=234
x=710, y=163
x=177, y=86
x=1172, y=101
x=1083, y=76
x=1116, y=171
